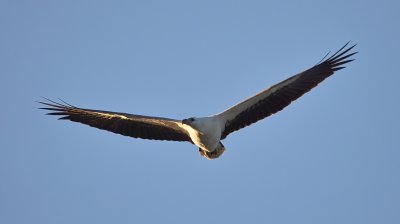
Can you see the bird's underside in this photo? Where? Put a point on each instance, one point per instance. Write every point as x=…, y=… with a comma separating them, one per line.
x=207, y=132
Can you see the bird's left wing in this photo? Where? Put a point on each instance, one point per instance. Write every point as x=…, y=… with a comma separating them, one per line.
x=137, y=126
x=278, y=96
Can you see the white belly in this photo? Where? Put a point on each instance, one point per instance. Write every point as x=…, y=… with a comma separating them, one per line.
x=206, y=133
x=207, y=142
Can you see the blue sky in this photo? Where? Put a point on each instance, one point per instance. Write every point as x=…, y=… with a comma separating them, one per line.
x=330, y=157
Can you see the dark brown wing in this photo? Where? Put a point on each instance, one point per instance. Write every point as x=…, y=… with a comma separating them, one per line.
x=282, y=94
x=135, y=126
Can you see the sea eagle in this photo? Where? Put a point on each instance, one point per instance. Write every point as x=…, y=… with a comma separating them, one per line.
x=207, y=132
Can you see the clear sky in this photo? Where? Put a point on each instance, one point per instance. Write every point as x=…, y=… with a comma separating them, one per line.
x=333, y=156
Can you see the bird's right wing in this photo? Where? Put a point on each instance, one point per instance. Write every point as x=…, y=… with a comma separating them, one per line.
x=279, y=96
x=136, y=126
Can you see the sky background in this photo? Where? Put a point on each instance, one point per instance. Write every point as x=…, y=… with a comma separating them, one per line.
x=333, y=156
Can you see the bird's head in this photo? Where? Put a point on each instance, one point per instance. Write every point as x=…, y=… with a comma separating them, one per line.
x=189, y=121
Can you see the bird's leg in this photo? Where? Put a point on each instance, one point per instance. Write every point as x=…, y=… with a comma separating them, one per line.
x=214, y=154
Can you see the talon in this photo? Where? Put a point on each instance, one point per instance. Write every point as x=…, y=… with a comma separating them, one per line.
x=214, y=154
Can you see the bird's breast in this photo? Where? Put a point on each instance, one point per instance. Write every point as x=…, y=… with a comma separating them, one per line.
x=206, y=141
x=206, y=137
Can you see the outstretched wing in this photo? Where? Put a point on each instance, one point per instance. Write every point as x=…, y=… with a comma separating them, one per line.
x=136, y=126
x=278, y=96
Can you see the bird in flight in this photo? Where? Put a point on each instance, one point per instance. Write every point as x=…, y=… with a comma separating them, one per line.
x=207, y=132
